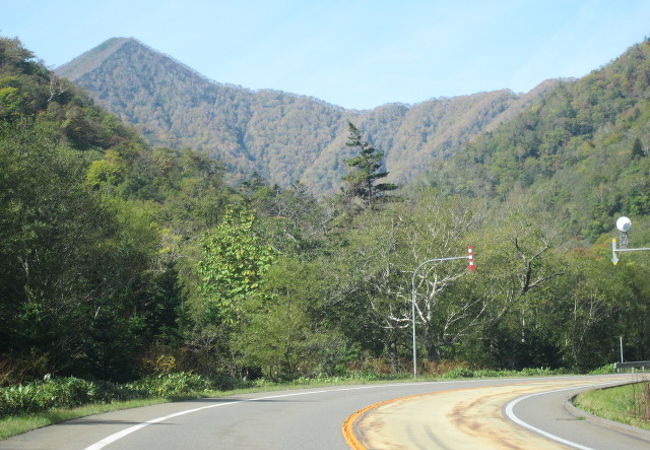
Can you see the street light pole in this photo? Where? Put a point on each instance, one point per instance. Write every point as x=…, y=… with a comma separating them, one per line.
x=472, y=267
x=620, y=344
x=623, y=224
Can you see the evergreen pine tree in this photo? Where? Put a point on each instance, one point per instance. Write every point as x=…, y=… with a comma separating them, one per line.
x=637, y=149
x=361, y=188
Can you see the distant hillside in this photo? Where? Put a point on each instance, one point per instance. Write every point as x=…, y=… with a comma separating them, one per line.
x=284, y=137
x=580, y=153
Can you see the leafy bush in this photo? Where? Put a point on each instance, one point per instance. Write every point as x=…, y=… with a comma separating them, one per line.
x=540, y=371
x=17, y=399
x=441, y=367
x=170, y=385
x=459, y=372
x=49, y=393
x=463, y=372
x=71, y=392
x=64, y=392
x=602, y=370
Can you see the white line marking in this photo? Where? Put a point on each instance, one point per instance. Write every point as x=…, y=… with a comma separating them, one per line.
x=509, y=410
x=120, y=434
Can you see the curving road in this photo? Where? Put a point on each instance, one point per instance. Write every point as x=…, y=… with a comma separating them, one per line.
x=312, y=419
x=522, y=415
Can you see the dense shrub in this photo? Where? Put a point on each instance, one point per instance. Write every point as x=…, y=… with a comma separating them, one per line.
x=169, y=385
x=71, y=392
x=463, y=372
x=459, y=372
x=602, y=370
x=49, y=393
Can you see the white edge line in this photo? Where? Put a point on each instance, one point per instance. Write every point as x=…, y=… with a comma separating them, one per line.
x=509, y=411
x=120, y=434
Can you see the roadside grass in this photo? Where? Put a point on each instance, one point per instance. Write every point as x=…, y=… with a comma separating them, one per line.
x=17, y=424
x=625, y=404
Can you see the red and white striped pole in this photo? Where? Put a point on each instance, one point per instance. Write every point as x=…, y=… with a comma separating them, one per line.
x=470, y=256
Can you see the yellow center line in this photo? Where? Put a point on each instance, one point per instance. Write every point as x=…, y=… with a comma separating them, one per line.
x=348, y=426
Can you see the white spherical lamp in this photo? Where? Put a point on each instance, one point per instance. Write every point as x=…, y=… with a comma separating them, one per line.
x=623, y=224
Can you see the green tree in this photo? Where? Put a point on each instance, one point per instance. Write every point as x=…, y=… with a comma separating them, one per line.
x=637, y=149
x=284, y=332
x=233, y=262
x=362, y=189
x=72, y=263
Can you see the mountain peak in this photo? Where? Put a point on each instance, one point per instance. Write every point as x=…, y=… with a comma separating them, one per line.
x=285, y=137
x=130, y=52
x=94, y=57
x=91, y=59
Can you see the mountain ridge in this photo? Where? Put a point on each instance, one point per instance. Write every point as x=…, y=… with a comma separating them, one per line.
x=581, y=155
x=285, y=137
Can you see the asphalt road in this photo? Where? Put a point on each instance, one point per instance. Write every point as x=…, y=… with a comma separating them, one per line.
x=301, y=419
x=525, y=414
x=549, y=413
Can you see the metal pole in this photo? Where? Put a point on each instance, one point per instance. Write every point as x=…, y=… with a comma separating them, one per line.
x=616, y=250
x=620, y=343
x=413, y=293
x=415, y=364
x=623, y=225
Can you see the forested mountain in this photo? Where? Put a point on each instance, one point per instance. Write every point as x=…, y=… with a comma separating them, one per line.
x=580, y=153
x=284, y=137
x=119, y=258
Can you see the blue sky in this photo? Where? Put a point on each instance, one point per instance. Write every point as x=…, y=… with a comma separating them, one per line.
x=353, y=53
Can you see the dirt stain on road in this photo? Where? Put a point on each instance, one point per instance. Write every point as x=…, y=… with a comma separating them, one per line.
x=469, y=418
